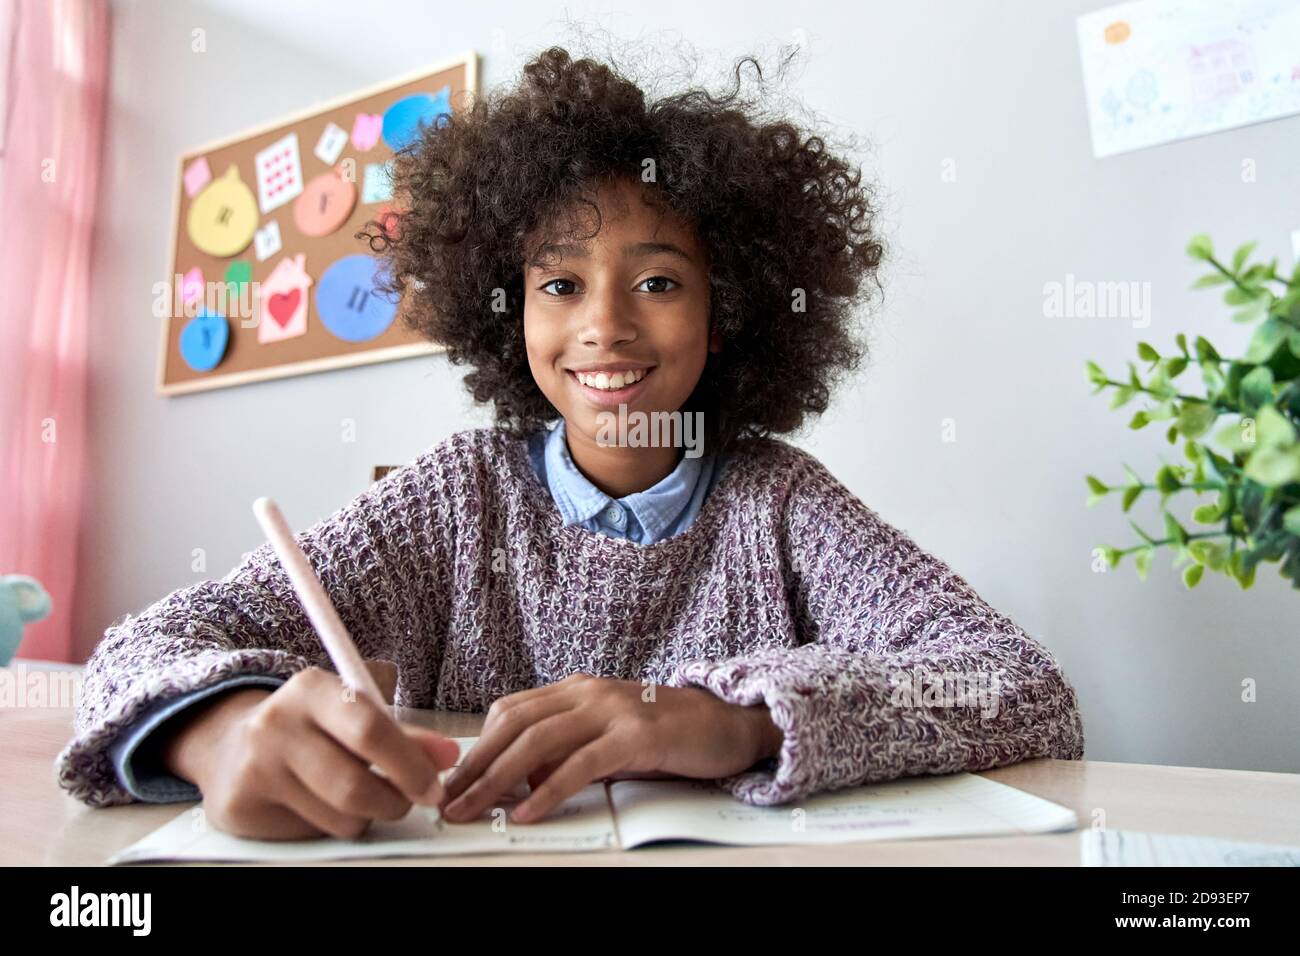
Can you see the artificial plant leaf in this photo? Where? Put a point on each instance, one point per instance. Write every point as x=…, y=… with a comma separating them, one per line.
x=1200, y=247
x=1166, y=481
x=1142, y=562
x=1174, y=530
x=1256, y=387
x=1241, y=255
x=1274, y=467
x=1196, y=418
x=1206, y=514
x=1123, y=395
x=1265, y=341
x=1272, y=429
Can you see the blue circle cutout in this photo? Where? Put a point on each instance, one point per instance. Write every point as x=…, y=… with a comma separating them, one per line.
x=347, y=301
x=402, y=120
x=204, y=339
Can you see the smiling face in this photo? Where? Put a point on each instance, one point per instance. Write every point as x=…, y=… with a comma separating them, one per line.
x=620, y=319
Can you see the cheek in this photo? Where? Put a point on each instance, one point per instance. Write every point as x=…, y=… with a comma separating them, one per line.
x=537, y=345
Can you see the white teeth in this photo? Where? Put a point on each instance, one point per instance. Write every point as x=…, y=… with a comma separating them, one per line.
x=609, y=382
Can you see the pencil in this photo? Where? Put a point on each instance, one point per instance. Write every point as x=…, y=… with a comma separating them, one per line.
x=320, y=611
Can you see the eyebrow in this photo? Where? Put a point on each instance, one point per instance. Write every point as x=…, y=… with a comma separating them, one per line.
x=630, y=251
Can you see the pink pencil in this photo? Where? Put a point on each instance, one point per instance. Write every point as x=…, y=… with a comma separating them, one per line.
x=320, y=611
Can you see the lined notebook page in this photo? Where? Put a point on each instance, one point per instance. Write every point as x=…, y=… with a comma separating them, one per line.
x=581, y=823
x=955, y=805
x=1131, y=848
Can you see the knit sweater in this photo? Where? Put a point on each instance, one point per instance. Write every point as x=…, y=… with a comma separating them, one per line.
x=785, y=591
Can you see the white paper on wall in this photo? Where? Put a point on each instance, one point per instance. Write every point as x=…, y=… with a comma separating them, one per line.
x=1156, y=71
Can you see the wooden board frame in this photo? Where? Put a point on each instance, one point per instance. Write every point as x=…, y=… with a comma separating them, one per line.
x=469, y=62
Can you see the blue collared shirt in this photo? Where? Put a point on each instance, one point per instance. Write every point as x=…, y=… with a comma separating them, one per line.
x=665, y=509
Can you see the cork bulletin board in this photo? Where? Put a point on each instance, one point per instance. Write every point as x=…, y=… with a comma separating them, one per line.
x=266, y=277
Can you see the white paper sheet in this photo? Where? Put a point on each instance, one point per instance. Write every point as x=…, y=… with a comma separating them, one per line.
x=959, y=804
x=1161, y=70
x=1131, y=848
x=628, y=813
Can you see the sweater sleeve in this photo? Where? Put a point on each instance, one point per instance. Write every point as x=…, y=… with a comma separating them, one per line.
x=137, y=750
x=384, y=559
x=901, y=670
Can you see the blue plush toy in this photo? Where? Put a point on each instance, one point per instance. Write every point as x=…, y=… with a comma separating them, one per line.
x=22, y=599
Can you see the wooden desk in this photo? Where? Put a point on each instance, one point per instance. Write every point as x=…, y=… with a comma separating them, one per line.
x=41, y=825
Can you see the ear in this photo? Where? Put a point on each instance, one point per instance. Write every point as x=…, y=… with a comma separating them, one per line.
x=715, y=342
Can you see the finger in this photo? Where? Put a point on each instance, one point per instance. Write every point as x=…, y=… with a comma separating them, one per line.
x=343, y=780
x=598, y=759
x=550, y=741
x=273, y=823
x=538, y=776
x=443, y=751
x=323, y=818
x=502, y=728
x=370, y=732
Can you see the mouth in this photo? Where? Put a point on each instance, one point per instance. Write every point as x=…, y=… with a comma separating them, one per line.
x=608, y=397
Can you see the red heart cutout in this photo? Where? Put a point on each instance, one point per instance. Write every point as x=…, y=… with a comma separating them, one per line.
x=283, y=306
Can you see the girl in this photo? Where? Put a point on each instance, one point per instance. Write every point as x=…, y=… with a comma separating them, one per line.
x=619, y=603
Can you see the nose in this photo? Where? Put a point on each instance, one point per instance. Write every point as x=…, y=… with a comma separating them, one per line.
x=605, y=322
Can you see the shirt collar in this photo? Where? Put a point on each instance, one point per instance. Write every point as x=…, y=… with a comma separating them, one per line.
x=656, y=508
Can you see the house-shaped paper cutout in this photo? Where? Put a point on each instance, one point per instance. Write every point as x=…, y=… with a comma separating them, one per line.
x=282, y=300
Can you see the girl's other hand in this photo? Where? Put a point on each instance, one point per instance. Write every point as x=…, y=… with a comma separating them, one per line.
x=562, y=737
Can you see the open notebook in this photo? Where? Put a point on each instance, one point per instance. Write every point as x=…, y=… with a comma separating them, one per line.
x=623, y=814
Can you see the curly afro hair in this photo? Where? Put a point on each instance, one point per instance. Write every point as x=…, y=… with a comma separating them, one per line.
x=787, y=226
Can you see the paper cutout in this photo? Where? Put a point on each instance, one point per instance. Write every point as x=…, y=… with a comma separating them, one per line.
x=192, y=285
x=325, y=204
x=203, y=340
x=282, y=303
x=378, y=185
x=402, y=120
x=266, y=241
x=366, y=130
x=347, y=301
x=223, y=216
x=238, y=274
x=279, y=173
x=390, y=220
x=331, y=144
x=1157, y=71
x=197, y=175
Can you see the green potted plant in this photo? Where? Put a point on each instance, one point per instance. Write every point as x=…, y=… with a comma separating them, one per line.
x=1255, y=476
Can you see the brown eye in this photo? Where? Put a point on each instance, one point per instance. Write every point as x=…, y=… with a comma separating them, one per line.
x=658, y=279
x=552, y=282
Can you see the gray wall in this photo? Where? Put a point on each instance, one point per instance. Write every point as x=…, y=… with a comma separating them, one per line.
x=961, y=334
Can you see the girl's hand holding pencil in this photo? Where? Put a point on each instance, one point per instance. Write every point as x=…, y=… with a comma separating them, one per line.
x=297, y=762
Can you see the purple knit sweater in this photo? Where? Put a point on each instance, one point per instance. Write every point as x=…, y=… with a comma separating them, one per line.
x=786, y=590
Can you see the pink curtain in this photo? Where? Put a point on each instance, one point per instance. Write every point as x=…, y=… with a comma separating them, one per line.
x=52, y=96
